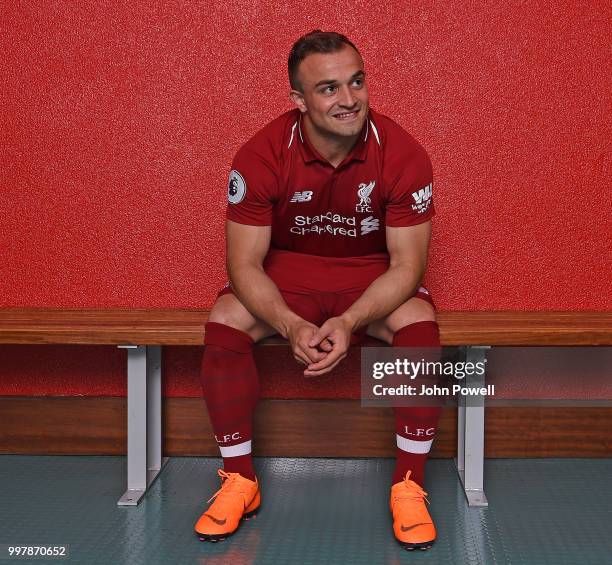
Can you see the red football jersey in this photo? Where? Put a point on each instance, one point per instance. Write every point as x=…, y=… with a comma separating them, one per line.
x=278, y=179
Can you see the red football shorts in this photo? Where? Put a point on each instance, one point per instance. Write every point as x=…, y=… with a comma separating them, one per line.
x=318, y=288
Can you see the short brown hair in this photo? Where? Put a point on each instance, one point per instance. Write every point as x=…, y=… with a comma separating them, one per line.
x=316, y=41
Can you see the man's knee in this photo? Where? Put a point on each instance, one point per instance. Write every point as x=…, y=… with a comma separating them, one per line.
x=225, y=317
x=230, y=312
x=418, y=328
x=410, y=312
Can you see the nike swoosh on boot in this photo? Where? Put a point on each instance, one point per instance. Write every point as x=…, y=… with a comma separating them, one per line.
x=216, y=520
x=407, y=529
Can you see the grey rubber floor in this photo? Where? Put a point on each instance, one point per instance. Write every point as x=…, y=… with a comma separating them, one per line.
x=314, y=511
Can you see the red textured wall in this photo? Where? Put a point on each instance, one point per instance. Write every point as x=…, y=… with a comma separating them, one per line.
x=120, y=119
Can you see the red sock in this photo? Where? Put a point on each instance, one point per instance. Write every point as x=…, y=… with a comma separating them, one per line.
x=231, y=389
x=415, y=426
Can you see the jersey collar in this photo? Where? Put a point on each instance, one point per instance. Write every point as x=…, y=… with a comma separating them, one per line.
x=358, y=153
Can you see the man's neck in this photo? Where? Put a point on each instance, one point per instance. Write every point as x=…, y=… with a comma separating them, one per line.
x=333, y=149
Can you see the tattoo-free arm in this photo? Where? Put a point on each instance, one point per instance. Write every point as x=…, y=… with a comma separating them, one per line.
x=408, y=248
x=247, y=247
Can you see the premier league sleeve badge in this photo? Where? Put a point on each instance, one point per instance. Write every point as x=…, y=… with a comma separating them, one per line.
x=236, y=187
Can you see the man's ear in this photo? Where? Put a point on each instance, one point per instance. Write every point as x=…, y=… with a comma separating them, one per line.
x=298, y=99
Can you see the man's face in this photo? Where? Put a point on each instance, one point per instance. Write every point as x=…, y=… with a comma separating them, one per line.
x=334, y=94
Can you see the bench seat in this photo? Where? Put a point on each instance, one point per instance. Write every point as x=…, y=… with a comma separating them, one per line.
x=157, y=326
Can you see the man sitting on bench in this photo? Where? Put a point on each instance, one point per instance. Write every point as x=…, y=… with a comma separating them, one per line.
x=328, y=229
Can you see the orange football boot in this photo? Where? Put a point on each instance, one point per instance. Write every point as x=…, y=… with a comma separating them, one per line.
x=237, y=499
x=412, y=524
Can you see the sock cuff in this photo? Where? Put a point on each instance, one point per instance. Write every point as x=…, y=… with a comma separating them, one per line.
x=227, y=337
x=419, y=334
x=237, y=450
x=413, y=446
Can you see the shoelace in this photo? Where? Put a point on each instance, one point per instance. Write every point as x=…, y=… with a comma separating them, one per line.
x=228, y=479
x=415, y=491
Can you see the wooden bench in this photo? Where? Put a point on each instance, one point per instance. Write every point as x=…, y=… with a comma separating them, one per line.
x=142, y=332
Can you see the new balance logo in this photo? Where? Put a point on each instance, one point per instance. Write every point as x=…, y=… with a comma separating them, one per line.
x=369, y=224
x=304, y=196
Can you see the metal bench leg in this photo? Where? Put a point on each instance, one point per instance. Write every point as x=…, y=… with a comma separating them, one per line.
x=144, y=460
x=155, y=461
x=470, y=437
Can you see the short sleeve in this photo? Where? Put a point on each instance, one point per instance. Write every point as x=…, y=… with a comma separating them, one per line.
x=410, y=196
x=251, y=190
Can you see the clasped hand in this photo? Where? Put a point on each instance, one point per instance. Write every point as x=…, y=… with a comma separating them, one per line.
x=320, y=349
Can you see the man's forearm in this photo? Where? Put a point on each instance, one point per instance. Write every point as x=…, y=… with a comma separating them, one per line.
x=261, y=297
x=385, y=294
